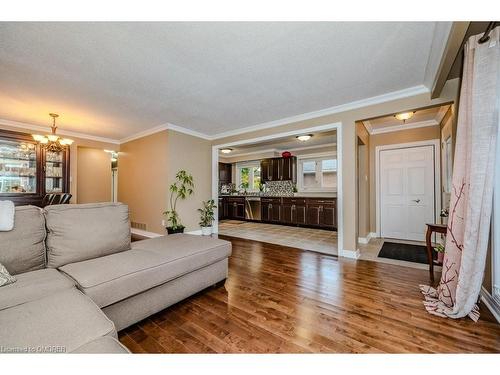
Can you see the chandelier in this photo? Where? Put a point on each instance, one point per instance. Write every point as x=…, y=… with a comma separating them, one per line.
x=52, y=142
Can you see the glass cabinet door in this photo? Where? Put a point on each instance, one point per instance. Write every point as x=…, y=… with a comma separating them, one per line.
x=18, y=167
x=54, y=172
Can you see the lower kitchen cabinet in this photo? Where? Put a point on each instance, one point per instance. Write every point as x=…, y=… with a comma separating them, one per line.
x=322, y=213
x=271, y=210
x=232, y=208
x=294, y=211
x=309, y=212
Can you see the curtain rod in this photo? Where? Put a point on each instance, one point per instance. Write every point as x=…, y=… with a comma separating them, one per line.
x=486, y=35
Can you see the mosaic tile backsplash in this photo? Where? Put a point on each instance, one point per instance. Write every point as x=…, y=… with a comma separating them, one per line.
x=279, y=189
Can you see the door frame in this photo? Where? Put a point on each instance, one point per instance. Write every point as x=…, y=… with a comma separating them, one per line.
x=320, y=128
x=435, y=143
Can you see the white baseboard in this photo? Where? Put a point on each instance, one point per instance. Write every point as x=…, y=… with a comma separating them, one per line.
x=144, y=233
x=195, y=232
x=365, y=240
x=353, y=254
x=490, y=303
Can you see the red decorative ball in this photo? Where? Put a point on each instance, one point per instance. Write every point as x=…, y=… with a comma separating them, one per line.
x=286, y=154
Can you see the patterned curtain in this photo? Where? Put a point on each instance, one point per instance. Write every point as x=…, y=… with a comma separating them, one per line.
x=472, y=191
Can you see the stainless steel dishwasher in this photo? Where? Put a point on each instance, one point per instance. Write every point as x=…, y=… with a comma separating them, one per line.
x=252, y=208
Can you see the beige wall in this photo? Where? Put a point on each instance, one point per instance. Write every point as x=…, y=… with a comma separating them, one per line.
x=404, y=136
x=363, y=185
x=194, y=155
x=348, y=120
x=143, y=179
x=94, y=175
x=73, y=154
x=146, y=168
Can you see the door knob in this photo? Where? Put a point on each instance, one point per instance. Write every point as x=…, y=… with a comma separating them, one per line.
x=416, y=200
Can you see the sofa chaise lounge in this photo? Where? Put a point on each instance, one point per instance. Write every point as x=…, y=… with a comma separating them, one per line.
x=80, y=279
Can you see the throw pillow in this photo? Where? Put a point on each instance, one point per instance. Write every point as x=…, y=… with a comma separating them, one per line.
x=5, y=276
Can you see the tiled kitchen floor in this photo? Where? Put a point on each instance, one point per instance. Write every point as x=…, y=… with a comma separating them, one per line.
x=320, y=240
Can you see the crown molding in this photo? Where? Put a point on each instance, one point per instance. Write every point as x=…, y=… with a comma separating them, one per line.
x=415, y=125
x=441, y=113
x=46, y=129
x=162, y=127
x=194, y=133
x=394, y=95
x=144, y=133
x=368, y=126
x=237, y=154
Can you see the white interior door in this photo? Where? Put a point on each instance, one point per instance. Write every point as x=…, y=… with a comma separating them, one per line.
x=407, y=183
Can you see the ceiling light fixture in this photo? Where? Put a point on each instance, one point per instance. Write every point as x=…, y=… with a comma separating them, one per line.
x=52, y=142
x=304, y=138
x=226, y=150
x=404, y=116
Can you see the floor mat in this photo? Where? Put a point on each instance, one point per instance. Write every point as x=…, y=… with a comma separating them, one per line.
x=402, y=251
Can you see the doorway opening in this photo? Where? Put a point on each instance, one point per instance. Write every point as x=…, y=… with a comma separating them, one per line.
x=283, y=189
x=404, y=173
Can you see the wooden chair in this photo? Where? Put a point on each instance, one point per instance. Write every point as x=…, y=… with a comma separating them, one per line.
x=47, y=200
x=65, y=198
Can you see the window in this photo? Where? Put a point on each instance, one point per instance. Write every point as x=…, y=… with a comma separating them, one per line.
x=248, y=176
x=317, y=173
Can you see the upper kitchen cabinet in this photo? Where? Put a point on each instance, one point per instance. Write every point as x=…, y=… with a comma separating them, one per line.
x=225, y=173
x=28, y=172
x=279, y=169
x=289, y=169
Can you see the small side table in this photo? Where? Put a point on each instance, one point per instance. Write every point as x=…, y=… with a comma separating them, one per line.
x=431, y=228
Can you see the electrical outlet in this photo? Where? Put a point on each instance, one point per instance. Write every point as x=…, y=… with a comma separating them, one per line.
x=163, y=223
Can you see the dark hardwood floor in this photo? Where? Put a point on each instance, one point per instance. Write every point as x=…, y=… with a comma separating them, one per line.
x=284, y=300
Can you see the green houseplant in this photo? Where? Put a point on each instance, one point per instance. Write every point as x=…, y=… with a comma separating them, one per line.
x=180, y=189
x=207, y=217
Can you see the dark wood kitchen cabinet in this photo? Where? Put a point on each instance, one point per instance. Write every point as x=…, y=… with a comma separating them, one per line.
x=293, y=211
x=266, y=170
x=271, y=210
x=235, y=208
x=289, y=169
x=321, y=213
x=279, y=169
x=225, y=173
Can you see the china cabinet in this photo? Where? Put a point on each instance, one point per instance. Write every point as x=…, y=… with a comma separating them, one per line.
x=28, y=172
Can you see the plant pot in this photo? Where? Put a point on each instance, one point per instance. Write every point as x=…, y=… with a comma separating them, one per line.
x=171, y=230
x=206, y=231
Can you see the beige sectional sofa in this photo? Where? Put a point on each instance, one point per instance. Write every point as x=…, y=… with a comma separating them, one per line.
x=80, y=279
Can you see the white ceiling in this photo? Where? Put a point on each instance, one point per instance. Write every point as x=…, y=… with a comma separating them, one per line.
x=421, y=118
x=289, y=143
x=117, y=79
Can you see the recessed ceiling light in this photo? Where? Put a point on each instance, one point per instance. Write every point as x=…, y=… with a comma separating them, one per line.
x=226, y=150
x=404, y=116
x=304, y=137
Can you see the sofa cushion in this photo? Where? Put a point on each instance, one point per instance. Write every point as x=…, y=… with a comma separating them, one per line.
x=78, y=232
x=150, y=263
x=23, y=248
x=102, y=345
x=61, y=322
x=33, y=285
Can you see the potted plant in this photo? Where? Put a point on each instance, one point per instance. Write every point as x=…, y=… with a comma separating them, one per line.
x=207, y=217
x=439, y=249
x=180, y=189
